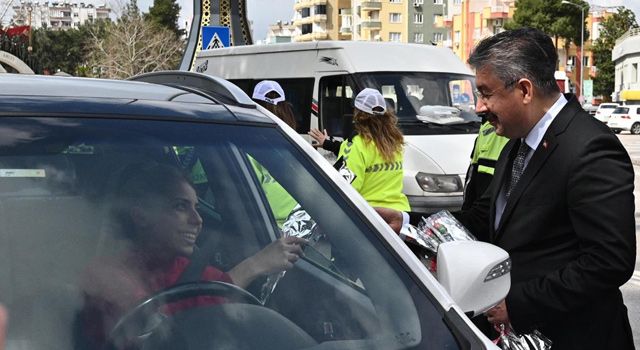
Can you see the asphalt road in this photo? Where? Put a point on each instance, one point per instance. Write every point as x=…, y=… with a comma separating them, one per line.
x=631, y=290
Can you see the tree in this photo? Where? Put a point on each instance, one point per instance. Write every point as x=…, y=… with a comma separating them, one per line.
x=612, y=28
x=133, y=46
x=552, y=17
x=64, y=50
x=165, y=13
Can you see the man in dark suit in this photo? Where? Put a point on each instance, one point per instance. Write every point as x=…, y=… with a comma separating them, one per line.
x=561, y=201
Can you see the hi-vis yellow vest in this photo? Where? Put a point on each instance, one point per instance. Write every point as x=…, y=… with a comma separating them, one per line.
x=279, y=199
x=487, y=149
x=378, y=181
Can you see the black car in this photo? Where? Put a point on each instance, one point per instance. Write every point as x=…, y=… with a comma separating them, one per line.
x=74, y=275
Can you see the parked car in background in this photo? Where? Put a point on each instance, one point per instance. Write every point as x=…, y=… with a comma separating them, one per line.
x=66, y=146
x=604, y=111
x=625, y=118
x=589, y=108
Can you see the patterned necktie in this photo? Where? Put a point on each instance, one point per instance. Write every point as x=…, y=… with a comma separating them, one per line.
x=518, y=167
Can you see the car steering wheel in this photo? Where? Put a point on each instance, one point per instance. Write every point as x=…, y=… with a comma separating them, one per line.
x=135, y=322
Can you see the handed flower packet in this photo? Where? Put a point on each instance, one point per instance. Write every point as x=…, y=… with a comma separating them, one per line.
x=438, y=228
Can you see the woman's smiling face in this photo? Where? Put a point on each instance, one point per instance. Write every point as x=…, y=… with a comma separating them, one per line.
x=170, y=222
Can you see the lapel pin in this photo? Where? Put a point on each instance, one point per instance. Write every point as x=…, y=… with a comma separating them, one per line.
x=544, y=144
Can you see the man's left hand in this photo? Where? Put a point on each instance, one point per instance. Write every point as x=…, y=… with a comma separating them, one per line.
x=392, y=217
x=498, y=314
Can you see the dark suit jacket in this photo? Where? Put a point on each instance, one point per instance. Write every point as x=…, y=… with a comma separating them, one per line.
x=569, y=228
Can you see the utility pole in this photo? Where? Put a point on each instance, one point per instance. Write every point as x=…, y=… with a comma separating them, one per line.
x=581, y=95
x=30, y=9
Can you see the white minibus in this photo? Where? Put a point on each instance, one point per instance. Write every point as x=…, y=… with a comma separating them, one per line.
x=430, y=89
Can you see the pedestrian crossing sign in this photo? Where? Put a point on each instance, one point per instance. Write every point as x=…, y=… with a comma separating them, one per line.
x=215, y=37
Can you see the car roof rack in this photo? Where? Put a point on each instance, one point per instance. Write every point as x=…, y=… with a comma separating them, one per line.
x=217, y=89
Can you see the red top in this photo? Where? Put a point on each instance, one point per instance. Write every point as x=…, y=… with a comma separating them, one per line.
x=113, y=288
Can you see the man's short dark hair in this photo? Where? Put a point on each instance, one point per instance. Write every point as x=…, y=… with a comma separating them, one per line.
x=516, y=54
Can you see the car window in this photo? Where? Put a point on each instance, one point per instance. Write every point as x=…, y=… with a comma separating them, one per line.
x=620, y=110
x=70, y=269
x=608, y=106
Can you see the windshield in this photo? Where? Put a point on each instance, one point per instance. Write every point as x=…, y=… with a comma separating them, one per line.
x=96, y=220
x=428, y=102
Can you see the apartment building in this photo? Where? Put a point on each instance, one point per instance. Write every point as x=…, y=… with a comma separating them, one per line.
x=319, y=20
x=467, y=22
x=57, y=15
x=281, y=32
x=626, y=55
x=408, y=21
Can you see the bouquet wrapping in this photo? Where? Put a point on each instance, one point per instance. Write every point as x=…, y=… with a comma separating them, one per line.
x=432, y=231
x=510, y=340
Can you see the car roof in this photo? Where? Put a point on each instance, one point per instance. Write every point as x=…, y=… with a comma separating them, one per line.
x=28, y=94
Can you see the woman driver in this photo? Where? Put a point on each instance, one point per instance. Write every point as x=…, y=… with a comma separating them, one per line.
x=156, y=207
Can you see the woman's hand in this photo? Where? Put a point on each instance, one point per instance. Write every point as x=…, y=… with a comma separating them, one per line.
x=318, y=136
x=278, y=256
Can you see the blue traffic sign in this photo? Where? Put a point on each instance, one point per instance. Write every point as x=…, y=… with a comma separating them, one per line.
x=215, y=37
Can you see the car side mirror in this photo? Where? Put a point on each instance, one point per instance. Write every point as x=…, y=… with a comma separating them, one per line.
x=476, y=274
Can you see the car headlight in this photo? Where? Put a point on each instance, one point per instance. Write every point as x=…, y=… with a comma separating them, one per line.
x=439, y=183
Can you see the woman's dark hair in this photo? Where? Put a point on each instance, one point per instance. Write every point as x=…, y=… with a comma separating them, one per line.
x=139, y=182
x=282, y=110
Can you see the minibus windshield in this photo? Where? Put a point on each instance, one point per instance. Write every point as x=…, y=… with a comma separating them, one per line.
x=441, y=102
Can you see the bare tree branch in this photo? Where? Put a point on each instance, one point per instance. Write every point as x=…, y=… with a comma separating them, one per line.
x=133, y=46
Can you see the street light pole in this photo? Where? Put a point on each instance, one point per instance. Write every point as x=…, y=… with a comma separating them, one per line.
x=581, y=95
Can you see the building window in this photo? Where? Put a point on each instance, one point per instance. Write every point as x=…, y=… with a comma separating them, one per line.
x=417, y=18
x=437, y=37
x=321, y=9
x=394, y=36
x=418, y=37
x=437, y=2
x=585, y=61
x=395, y=17
x=306, y=28
x=305, y=12
x=395, y=1
x=457, y=2
x=634, y=72
x=346, y=21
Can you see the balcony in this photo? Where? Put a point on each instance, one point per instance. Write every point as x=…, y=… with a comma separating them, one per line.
x=312, y=36
x=308, y=3
x=371, y=24
x=319, y=18
x=345, y=30
x=371, y=5
x=345, y=12
x=320, y=36
x=300, y=21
